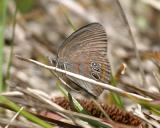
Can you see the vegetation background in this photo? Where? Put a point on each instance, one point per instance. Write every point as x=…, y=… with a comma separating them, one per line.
x=36, y=28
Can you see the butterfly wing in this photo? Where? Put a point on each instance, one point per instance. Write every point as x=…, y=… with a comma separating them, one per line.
x=85, y=53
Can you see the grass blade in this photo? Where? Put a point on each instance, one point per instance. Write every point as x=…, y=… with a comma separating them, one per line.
x=3, y=10
x=24, y=113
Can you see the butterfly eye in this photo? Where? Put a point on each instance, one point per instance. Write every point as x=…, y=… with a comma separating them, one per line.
x=95, y=75
x=95, y=66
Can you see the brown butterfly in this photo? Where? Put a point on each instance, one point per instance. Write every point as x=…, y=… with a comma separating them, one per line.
x=84, y=52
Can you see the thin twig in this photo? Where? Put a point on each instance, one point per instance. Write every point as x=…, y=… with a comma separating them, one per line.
x=14, y=117
x=138, y=112
x=102, y=110
x=17, y=124
x=95, y=83
x=67, y=17
x=133, y=42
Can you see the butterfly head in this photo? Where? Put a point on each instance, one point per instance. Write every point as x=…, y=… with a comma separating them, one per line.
x=56, y=62
x=53, y=60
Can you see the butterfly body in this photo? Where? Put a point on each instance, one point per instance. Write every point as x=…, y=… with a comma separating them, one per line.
x=85, y=52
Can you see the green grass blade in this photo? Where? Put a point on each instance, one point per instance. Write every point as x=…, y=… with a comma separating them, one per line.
x=24, y=113
x=12, y=44
x=68, y=18
x=77, y=105
x=115, y=97
x=3, y=10
x=24, y=6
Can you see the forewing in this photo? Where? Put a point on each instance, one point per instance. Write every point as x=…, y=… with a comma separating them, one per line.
x=85, y=47
x=86, y=39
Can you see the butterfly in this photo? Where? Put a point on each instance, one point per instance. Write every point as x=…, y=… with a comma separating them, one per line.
x=84, y=52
